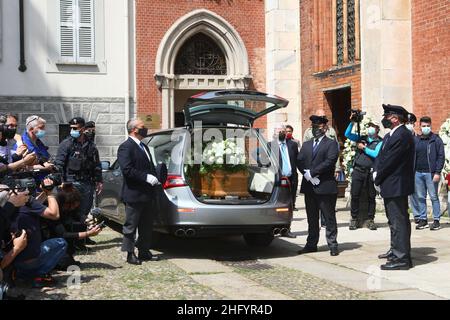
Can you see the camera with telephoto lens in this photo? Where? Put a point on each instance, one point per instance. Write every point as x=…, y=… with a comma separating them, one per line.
x=357, y=115
x=20, y=185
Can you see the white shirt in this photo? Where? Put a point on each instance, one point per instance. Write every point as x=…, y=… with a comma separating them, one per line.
x=318, y=142
x=149, y=176
x=393, y=130
x=139, y=144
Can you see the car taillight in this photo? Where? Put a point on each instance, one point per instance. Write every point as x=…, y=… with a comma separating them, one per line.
x=285, y=182
x=174, y=181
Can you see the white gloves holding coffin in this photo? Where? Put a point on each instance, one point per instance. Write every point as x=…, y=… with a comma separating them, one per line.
x=315, y=181
x=151, y=179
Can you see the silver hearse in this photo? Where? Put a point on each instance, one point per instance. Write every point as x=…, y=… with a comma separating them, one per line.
x=249, y=197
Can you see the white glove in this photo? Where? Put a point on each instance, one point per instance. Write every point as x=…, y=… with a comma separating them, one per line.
x=307, y=175
x=315, y=181
x=151, y=179
x=374, y=175
x=377, y=188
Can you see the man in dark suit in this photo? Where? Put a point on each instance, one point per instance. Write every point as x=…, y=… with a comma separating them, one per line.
x=317, y=162
x=394, y=174
x=286, y=151
x=138, y=192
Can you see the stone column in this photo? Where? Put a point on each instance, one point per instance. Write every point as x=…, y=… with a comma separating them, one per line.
x=283, y=61
x=386, y=54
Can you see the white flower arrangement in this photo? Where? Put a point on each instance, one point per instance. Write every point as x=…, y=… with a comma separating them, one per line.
x=349, y=151
x=444, y=133
x=224, y=152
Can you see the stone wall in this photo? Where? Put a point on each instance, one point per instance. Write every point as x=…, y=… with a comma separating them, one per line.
x=108, y=114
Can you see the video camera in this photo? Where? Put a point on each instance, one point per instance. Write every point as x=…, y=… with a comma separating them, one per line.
x=357, y=115
x=28, y=180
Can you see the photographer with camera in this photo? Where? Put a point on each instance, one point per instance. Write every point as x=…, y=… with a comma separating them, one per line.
x=39, y=258
x=368, y=148
x=68, y=227
x=12, y=160
x=11, y=245
x=78, y=159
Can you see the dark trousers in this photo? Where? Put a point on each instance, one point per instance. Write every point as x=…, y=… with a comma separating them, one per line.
x=294, y=184
x=86, y=190
x=400, y=226
x=327, y=205
x=139, y=217
x=362, y=181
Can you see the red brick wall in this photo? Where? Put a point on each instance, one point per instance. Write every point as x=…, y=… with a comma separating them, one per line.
x=154, y=18
x=317, y=56
x=431, y=47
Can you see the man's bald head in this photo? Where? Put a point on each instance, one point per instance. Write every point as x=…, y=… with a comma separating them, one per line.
x=320, y=113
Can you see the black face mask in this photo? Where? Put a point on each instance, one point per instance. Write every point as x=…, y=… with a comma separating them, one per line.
x=90, y=135
x=7, y=132
x=317, y=132
x=143, y=132
x=10, y=133
x=386, y=123
x=281, y=136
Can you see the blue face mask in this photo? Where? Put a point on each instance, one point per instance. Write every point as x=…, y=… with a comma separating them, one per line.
x=426, y=130
x=75, y=133
x=371, y=131
x=40, y=134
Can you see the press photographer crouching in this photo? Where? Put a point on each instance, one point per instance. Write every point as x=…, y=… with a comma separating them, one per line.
x=68, y=226
x=10, y=245
x=39, y=257
x=368, y=148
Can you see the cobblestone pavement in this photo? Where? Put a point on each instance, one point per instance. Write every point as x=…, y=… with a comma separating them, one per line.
x=105, y=275
x=296, y=284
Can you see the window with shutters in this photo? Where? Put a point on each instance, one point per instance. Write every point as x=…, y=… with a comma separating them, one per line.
x=77, y=31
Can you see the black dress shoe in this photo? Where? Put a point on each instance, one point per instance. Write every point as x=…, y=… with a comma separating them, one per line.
x=307, y=250
x=398, y=264
x=387, y=255
x=334, y=252
x=147, y=257
x=132, y=259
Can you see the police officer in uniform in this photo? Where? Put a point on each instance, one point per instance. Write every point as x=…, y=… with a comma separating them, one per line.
x=369, y=147
x=78, y=159
x=394, y=174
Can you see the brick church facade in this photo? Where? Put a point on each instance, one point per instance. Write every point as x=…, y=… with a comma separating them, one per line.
x=350, y=54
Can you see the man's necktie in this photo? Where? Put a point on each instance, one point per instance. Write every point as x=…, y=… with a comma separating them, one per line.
x=385, y=140
x=316, y=144
x=286, y=167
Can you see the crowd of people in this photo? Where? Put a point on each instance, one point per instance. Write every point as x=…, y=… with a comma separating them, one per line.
x=45, y=201
x=403, y=164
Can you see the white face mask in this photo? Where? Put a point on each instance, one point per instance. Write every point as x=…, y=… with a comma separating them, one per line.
x=410, y=127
